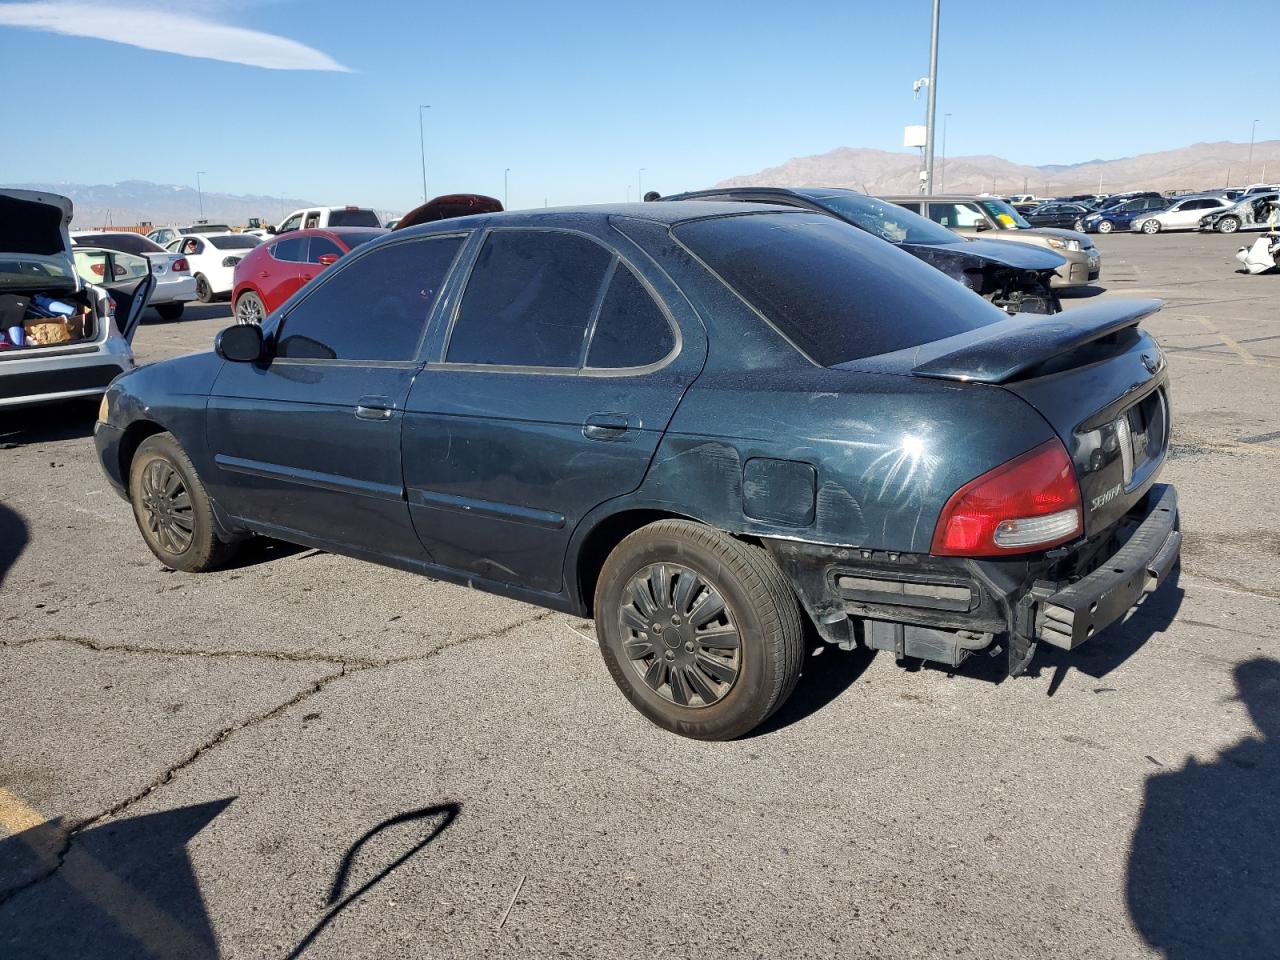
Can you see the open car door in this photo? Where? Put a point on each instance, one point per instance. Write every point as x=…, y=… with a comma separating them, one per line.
x=131, y=286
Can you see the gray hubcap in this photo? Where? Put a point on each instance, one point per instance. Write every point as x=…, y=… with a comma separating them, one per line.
x=1104, y=226
x=167, y=507
x=679, y=635
x=249, y=310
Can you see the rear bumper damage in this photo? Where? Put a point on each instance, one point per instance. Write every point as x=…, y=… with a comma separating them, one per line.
x=944, y=609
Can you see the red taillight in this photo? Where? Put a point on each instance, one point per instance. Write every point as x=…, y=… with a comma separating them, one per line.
x=180, y=264
x=1030, y=503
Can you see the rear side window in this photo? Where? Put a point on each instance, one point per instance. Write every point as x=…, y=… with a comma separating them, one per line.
x=632, y=330
x=292, y=250
x=373, y=309
x=834, y=291
x=353, y=218
x=529, y=300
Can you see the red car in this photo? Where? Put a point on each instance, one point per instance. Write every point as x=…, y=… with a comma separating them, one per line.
x=274, y=271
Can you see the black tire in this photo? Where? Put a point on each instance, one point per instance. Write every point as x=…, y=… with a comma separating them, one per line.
x=250, y=309
x=159, y=455
x=759, y=604
x=170, y=311
x=1105, y=226
x=204, y=292
x=1228, y=224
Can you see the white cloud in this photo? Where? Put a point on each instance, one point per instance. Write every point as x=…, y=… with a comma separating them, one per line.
x=185, y=34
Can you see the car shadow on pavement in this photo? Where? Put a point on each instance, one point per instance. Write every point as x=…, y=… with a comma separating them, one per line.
x=1202, y=880
x=1080, y=293
x=117, y=891
x=828, y=672
x=14, y=537
x=69, y=420
x=339, y=899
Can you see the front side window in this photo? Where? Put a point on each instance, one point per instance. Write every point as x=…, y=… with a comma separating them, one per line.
x=373, y=309
x=319, y=247
x=631, y=330
x=291, y=224
x=529, y=300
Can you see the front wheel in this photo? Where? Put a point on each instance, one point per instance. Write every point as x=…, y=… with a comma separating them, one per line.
x=204, y=292
x=1228, y=225
x=1078, y=226
x=1106, y=226
x=172, y=508
x=701, y=632
x=1151, y=227
x=250, y=309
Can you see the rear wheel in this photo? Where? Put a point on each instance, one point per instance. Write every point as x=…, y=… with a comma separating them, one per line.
x=204, y=292
x=1228, y=224
x=1105, y=226
x=250, y=309
x=172, y=508
x=1151, y=227
x=701, y=632
x=1078, y=226
x=170, y=311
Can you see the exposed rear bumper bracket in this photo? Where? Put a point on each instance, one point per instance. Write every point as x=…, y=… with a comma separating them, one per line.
x=1075, y=613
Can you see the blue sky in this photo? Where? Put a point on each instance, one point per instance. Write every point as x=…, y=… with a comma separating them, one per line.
x=575, y=97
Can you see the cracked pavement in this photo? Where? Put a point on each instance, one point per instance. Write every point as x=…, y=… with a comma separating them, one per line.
x=310, y=753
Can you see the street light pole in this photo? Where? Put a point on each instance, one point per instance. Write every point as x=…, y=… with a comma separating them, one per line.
x=933, y=101
x=422, y=148
x=200, y=193
x=639, y=191
x=506, y=195
x=1249, y=166
x=942, y=171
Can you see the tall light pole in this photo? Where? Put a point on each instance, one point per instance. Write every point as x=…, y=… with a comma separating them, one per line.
x=422, y=148
x=1249, y=166
x=639, y=190
x=200, y=193
x=933, y=101
x=942, y=171
x=506, y=196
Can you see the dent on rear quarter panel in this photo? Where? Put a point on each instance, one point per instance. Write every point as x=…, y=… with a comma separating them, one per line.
x=887, y=452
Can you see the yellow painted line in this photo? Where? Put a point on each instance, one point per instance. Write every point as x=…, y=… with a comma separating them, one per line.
x=157, y=932
x=1234, y=347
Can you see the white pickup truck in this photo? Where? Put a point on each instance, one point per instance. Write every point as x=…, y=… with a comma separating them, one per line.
x=312, y=218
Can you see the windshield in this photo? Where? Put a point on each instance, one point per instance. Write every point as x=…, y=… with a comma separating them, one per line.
x=1002, y=213
x=19, y=273
x=888, y=221
x=836, y=293
x=235, y=241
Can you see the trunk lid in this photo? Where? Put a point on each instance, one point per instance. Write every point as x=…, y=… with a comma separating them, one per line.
x=1095, y=377
x=35, y=226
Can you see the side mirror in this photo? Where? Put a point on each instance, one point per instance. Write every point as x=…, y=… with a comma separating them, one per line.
x=239, y=344
x=271, y=229
x=327, y=259
x=981, y=225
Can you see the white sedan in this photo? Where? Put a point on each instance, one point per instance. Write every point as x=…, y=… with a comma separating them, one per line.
x=1182, y=214
x=213, y=258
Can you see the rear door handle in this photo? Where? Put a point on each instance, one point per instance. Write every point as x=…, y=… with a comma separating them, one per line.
x=607, y=426
x=374, y=408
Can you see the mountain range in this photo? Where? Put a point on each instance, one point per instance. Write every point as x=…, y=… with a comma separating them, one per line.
x=1201, y=166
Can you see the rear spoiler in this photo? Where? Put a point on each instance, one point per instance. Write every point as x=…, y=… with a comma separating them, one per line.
x=1012, y=350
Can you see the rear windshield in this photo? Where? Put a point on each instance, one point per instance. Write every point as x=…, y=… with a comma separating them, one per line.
x=353, y=218
x=353, y=238
x=834, y=291
x=205, y=228
x=125, y=242
x=238, y=241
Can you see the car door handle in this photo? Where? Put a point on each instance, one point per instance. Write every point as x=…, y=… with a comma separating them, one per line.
x=606, y=426
x=374, y=408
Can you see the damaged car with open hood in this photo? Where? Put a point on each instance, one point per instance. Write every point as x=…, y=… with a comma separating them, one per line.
x=67, y=314
x=716, y=428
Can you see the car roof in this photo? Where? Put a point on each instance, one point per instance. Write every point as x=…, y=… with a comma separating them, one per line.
x=664, y=212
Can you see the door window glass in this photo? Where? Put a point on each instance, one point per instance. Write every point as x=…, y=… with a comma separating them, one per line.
x=312, y=221
x=292, y=250
x=291, y=223
x=320, y=246
x=529, y=300
x=955, y=215
x=374, y=308
x=632, y=330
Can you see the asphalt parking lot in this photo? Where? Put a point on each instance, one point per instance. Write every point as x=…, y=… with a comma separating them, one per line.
x=310, y=754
